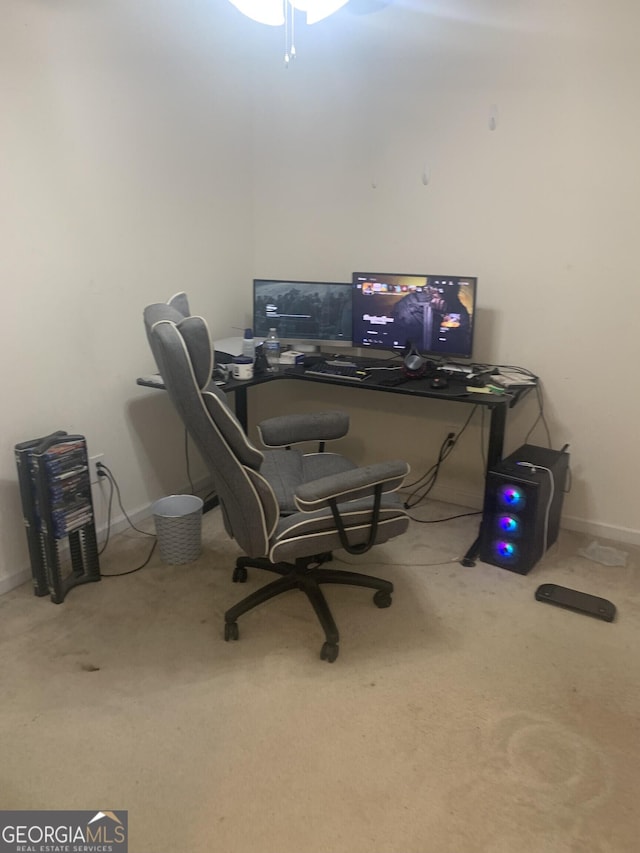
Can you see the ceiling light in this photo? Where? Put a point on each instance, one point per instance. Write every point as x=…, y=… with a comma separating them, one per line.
x=275, y=13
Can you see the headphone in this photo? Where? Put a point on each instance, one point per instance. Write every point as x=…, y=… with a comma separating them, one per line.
x=414, y=363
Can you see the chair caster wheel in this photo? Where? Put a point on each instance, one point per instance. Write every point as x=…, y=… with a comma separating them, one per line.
x=231, y=631
x=382, y=598
x=240, y=574
x=329, y=652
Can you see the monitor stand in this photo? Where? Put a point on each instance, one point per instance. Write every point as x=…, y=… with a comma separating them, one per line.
x=427, y=328
x=311, y=349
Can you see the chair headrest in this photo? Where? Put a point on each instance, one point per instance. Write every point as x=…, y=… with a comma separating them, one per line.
x=180, y=302
x=194, y=332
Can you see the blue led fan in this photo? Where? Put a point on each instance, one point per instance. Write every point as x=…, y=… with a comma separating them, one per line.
x=511, y=497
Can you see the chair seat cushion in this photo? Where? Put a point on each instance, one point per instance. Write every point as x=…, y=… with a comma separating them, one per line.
x=318, y=532
x=285, y=470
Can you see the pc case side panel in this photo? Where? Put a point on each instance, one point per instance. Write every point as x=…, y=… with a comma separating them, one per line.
x=522, y=507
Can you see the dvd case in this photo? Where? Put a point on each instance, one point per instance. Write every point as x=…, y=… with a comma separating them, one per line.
x=23, y=455
x=55, y=489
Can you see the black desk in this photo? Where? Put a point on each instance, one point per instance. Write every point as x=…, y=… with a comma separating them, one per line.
x=498, y=404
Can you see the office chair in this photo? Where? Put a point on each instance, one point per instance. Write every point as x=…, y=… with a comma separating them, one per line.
x=286, y=509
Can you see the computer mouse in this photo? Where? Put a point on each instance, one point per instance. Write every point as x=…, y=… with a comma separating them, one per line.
x=439, y=382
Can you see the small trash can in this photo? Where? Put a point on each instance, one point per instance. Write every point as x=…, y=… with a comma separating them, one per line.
x=178, y=520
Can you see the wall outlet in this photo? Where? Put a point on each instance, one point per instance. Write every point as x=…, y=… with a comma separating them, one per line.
x=93, y=467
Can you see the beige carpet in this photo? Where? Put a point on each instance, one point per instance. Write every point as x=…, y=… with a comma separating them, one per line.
x=466, y=718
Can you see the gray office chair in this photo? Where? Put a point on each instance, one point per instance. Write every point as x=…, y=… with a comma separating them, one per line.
x=286, y=509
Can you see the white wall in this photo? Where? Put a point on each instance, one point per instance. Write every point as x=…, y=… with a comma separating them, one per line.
x=544, y=209
x=150, y=146
x=125, y=176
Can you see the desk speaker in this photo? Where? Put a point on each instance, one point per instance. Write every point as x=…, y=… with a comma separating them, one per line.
x=522, y=507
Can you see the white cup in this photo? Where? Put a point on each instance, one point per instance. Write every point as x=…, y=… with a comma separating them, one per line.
x=242, y=367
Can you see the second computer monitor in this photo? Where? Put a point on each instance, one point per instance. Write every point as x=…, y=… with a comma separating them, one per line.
x=303, y=312
x=433, y=313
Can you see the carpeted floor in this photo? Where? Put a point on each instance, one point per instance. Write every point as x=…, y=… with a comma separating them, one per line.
x=466, y=718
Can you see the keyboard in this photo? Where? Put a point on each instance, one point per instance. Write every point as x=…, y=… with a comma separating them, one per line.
x=338, y=371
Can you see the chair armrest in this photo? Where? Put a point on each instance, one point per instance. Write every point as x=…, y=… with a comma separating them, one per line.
x=351, y=485
x=292, y=429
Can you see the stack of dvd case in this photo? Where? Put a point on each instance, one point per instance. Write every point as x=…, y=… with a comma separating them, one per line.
x=53, y=474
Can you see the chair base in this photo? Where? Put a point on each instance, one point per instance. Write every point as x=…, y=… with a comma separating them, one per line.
x=306, y=575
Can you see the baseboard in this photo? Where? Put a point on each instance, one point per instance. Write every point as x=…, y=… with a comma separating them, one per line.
x=14, y=580
x=601, y=531
x=143, y=513
x=457, y=497
x=474, y=500
x=118, y=525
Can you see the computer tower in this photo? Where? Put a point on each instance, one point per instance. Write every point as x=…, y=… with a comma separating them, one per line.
x=522, y=507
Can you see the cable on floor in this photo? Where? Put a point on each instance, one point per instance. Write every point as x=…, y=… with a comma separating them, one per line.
x=132, y=571
x=104, y=471
x=448, y=518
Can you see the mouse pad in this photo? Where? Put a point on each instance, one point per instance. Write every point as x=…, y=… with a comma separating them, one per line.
x=451, y=391
x=454, y=389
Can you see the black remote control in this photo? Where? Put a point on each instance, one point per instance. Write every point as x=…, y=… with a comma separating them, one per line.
x=572, y=599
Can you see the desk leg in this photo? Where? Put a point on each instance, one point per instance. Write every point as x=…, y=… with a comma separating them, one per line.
x=210, y=503
x=496, y=435
x=494, y=455
x=241, y=406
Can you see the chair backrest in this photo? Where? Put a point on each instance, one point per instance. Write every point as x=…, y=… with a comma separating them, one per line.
x=182, y=348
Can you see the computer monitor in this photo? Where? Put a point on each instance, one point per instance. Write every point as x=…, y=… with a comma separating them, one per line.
x=434, y=313
x=307, y=313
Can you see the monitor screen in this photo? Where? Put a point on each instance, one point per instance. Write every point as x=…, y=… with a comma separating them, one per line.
x=314, y=312
x=434, y=313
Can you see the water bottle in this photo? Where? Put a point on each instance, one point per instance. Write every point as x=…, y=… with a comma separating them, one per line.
x=249, y=345
x=271, y=348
